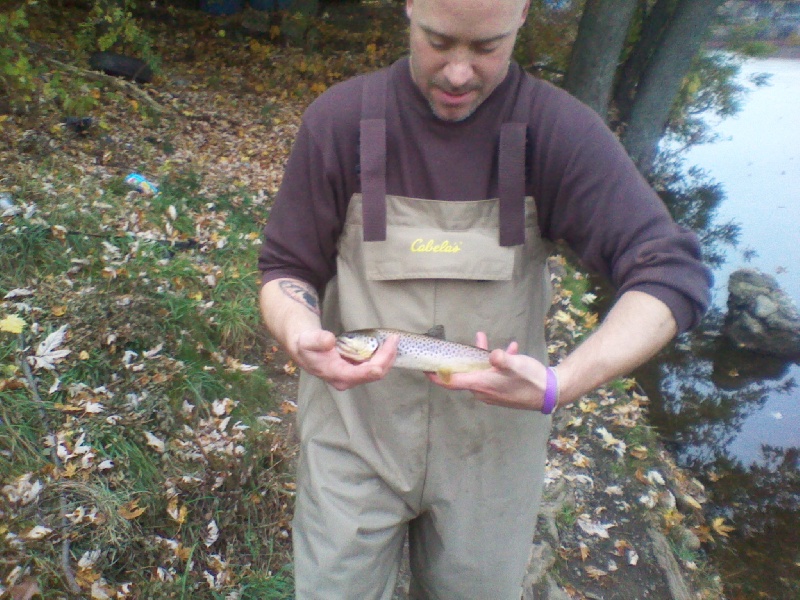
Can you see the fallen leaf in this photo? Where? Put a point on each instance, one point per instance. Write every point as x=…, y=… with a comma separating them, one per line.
x=47, y=354
x=18, y=293
x=594, y=527
x=584, y=551
x=131, y=510
x=37, y=533
x=719, y=526
x=594, y=572
x=12, y=324
x=154, y=442
x=177, y=512
x=212, y=533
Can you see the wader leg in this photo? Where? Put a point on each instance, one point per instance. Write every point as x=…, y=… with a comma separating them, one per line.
x=483, y=487
x=349, y=528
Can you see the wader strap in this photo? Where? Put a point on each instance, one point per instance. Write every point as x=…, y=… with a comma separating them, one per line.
x=511, y=168
x=372, y=151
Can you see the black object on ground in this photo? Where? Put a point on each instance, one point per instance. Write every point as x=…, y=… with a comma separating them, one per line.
x=120, y=65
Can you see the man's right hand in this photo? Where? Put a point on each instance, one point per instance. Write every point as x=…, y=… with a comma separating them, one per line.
x=315, y=352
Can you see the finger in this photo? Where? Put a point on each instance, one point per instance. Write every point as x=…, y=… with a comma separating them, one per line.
x=388, y=349
x=481, y=340
x=513, y=348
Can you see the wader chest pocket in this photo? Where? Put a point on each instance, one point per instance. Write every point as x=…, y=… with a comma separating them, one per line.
x=432, y=253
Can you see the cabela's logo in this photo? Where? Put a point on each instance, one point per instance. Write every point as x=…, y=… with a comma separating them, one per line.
x=420, y=245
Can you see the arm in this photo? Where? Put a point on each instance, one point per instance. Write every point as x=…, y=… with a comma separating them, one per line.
x=637, y=327
x=290, y=309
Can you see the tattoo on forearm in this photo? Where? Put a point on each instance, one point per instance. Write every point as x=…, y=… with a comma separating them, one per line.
x=304, y=294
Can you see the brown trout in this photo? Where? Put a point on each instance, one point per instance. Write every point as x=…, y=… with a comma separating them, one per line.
x=428, y=352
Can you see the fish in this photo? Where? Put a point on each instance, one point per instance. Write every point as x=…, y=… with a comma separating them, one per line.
x=428, y=352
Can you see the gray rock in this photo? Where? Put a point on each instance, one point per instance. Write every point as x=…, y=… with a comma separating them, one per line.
x=761, y=317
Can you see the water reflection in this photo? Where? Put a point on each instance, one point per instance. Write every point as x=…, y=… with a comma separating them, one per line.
x=703, y=392
x=733, y=418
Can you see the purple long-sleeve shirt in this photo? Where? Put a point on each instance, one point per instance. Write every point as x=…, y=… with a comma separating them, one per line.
x=587, y=191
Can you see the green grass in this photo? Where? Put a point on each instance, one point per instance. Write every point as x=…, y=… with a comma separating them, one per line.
x=121, y=298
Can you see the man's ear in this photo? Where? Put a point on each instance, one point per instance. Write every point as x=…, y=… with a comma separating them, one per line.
x=410, y=6
x=524, y=12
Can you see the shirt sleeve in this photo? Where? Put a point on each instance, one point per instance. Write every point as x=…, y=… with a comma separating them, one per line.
x=592, y=196
x=300, y=235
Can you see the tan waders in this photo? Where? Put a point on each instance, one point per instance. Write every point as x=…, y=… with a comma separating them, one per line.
x=463, y=478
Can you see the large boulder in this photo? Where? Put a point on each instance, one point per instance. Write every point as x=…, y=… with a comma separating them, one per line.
x=761, y=317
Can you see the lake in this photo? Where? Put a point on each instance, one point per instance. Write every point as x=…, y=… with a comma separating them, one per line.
x=734, y=418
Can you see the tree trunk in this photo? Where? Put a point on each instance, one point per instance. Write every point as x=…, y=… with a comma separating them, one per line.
x=654, y=23
x=662, y=79
x=596, y=52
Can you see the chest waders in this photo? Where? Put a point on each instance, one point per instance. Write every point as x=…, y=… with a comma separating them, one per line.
x=462, y=477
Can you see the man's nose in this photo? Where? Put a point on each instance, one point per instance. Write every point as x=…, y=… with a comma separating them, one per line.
x=458, y=71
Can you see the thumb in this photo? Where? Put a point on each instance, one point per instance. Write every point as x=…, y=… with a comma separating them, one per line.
x=316, y=341
x=499, y=359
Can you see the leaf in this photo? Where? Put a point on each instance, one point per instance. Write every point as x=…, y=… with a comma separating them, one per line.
x=18, y=293
x=212, y=533
x=611, y=442
x=47, y=354
x=12, y=324
x=37, y=533
x=594, y=572
x=176, y=512
x=154, y=442
x=719, y=526
x=131, y=510
x=594, y=527
x=584, y=551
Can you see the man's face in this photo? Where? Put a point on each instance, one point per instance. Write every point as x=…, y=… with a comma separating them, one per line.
x=460, y=50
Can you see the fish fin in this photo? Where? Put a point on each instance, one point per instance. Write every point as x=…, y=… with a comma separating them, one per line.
x=445, y=375
x=437, y=331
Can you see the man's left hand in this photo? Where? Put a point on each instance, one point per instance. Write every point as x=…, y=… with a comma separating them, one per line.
x=514, y=381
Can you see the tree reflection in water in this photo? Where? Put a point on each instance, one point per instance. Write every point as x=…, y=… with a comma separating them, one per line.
x=702, y=391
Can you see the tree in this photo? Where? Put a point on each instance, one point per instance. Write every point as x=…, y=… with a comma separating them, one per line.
x=661, y=78
x=595, y=54
x=643, y=79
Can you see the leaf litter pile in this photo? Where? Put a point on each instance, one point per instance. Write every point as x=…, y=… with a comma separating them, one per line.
x=145, y=418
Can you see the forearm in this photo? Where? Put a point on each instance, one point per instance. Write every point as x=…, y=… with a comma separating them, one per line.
x=289, y=307
x=291, y=312
x=636, y=328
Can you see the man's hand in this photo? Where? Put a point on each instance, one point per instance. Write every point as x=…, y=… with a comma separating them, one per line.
x=514, y=381
x=315, y=352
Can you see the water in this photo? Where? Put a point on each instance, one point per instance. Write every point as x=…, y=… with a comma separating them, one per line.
x=734, y=418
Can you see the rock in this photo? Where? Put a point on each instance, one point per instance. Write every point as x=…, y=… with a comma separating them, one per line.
x=542, y=558
x=761, y=317
x=672, y=572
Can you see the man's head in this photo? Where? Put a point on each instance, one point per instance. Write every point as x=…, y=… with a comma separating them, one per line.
x=460, y=50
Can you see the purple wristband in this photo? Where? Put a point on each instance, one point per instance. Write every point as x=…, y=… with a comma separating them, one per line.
x=550, y=392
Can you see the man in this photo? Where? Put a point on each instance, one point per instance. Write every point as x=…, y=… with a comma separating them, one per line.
x=426, y=194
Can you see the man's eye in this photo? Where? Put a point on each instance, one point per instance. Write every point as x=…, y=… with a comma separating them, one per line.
x=485, y=49
x=438, y=44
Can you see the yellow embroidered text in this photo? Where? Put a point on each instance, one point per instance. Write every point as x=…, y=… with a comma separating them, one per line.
x=420, y=245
